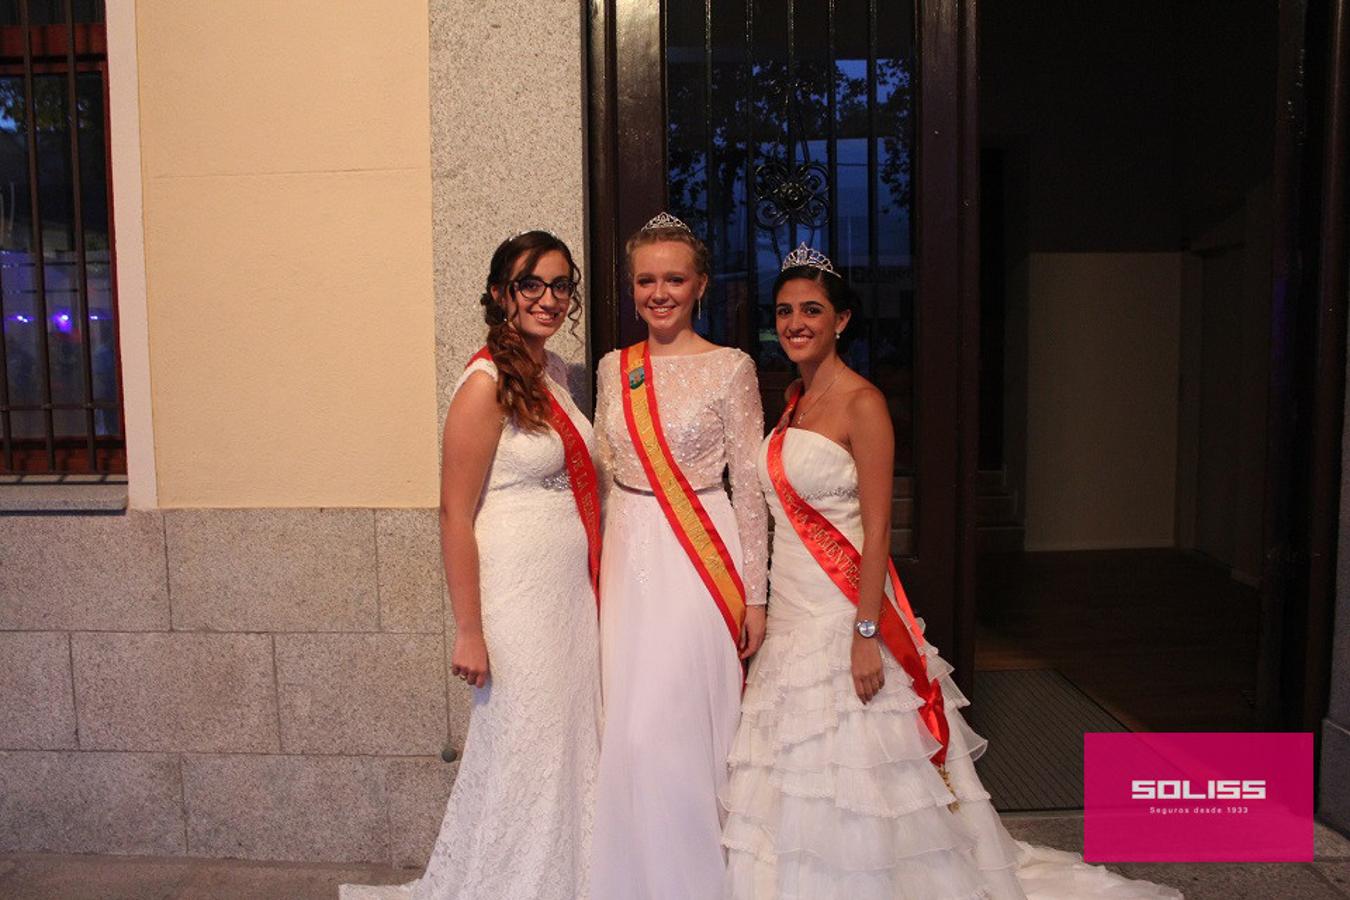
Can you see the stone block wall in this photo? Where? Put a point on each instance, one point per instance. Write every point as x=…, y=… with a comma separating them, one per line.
x=265, y=684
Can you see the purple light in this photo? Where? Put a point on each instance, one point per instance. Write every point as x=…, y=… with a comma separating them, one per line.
x=62, y=322
x=20, y=317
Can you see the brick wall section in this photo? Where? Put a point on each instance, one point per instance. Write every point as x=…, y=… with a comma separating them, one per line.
x=264, y=684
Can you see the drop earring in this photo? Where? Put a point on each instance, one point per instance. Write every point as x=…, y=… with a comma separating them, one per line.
x=700, y=306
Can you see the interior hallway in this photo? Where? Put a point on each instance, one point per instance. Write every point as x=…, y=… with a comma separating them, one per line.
x=1164, y=640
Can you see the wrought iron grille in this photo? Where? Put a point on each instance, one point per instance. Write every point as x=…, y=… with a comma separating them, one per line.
x=788, y=121
x=60, y=390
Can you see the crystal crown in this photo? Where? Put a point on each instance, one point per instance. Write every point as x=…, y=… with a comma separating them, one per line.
x=665, y=220
x=808, y=256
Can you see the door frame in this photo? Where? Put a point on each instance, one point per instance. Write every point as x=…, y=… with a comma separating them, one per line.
x=626, y=101
x=1307, y=366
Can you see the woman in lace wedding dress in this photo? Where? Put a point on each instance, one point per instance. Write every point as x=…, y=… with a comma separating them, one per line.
x=670, y=659
x=834, y=791
x=518, y=822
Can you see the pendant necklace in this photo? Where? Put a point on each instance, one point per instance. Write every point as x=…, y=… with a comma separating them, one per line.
x=801, y=412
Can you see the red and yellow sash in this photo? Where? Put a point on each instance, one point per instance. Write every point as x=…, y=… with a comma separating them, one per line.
x=691, y=523
x=580, y=475
x=836, y=554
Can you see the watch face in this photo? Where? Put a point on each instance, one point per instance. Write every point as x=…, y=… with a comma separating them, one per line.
x=867, y=628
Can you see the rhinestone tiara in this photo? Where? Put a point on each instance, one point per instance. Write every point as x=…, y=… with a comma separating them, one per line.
x=512, y=237
x=808, y=256
x=665, y=220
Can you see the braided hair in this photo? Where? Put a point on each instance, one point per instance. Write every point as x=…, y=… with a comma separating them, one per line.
x=520, y=380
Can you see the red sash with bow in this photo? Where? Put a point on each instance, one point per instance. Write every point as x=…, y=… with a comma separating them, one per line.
x=835, y=553
x=580, y=475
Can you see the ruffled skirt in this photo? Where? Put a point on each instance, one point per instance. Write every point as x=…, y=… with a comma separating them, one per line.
x=831, y=798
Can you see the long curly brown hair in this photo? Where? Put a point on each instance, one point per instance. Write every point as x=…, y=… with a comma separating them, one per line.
x=520, y=380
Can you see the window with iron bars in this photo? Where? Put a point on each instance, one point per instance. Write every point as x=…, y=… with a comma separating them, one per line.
x=60, y=370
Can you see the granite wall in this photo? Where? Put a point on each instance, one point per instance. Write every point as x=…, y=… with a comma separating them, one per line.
x=266, y=684
x=272, y=683
x=508, y=154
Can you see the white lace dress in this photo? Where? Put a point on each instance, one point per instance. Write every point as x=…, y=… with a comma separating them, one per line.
x=672, y=679
x=831, y=798
x=518, y=823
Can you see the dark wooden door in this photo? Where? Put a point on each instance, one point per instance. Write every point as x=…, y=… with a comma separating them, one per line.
x=847, y=124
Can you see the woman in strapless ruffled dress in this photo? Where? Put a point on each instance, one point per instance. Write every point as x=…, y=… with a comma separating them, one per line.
x=833, y=791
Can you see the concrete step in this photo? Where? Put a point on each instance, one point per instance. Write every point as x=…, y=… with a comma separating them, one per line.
x=1000, y=539
x=996, y=509
x=902, y=512
x=991, y=481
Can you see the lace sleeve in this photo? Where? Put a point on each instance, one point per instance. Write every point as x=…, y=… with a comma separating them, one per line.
x=744, y=430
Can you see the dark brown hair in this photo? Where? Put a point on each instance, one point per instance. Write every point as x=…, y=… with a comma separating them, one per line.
x=836, y=291
x=520, y=380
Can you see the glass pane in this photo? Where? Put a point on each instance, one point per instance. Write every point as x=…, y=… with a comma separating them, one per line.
x=23, y=318
x=60, y=274
x=53, y=12
x=71, y=335
x=789, y=122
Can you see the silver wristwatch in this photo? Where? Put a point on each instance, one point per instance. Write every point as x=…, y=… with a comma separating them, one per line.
x=865, y=628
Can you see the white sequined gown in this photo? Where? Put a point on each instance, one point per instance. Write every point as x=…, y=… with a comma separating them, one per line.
x=518, y=823
x=831, y=799
x=672, y=678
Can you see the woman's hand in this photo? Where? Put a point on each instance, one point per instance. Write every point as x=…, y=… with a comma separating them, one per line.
x=469, y=660
x=752, y=632
x=867, y=674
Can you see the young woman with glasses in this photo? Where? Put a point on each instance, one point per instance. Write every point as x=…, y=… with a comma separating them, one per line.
x=520, y=540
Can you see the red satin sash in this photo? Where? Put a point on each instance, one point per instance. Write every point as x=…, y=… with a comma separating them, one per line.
x=693, y=527
x=580, y=475
x=835, y=553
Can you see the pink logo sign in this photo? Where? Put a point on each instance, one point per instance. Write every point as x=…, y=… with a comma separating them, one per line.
x=1198, y=797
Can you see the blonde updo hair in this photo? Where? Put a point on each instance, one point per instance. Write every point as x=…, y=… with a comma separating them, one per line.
x=646, y=236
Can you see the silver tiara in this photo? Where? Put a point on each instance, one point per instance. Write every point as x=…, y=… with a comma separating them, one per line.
x=808, y=256
x=512, y=237
x=665, y=220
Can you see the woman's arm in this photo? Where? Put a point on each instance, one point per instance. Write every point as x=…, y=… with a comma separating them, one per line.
x=872, y=442
x=743, y=432
x=473, y=427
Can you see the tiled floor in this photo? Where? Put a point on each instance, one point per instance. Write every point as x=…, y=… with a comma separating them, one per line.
x=1093, y=616
x=52, y=877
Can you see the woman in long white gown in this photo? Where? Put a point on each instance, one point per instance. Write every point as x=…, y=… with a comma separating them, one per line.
x=834, y=791
x=670, y=655
x=518, y=822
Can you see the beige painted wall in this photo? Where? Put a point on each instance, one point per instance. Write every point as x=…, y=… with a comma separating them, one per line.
x=287, y=202
x=1102, y=369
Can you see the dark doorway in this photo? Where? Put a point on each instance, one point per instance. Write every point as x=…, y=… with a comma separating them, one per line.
x=1130, y=208
x=764, y=124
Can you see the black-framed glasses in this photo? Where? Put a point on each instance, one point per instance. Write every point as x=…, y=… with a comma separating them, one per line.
x=532, y=288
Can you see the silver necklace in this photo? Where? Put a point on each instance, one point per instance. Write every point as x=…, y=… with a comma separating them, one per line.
x=801, y=411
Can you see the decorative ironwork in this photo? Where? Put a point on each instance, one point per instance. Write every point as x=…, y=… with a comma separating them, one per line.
x=788, y=191
x=797, y=194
